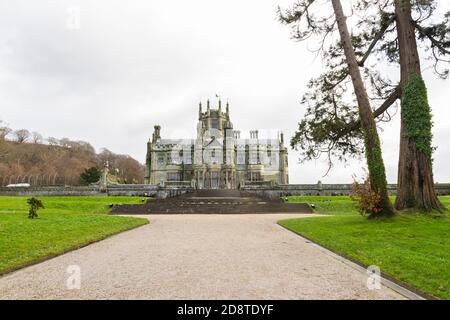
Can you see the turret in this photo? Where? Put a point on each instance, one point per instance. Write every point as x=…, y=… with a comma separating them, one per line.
x=156, y=133
x=199, y=111
x=208, y=115
x=220, y=106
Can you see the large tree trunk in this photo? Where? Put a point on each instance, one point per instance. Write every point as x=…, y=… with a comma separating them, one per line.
x=375, y=164
x=415, y=186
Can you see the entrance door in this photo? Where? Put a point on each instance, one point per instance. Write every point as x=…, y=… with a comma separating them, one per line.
x=215, y=180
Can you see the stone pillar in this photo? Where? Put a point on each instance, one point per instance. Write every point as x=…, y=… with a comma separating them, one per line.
x=196, y=178
x=203, y=179
x=231, y=180
x=226, y=179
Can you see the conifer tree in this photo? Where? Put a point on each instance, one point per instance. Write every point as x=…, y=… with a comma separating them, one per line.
x=383, y=31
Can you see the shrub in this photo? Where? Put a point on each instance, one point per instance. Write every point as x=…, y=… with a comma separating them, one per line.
x=366, y=200
x=35, y=205
x=90, y=175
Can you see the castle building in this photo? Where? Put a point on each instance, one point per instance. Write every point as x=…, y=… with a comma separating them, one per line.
x=217, y=158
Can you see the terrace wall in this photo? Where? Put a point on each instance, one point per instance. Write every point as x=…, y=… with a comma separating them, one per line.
x=273, y=191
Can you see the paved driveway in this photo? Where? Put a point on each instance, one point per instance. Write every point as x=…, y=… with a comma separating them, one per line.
x=197, y=257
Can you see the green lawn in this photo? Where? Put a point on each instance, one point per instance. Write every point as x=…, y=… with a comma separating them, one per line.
x=65, y=223
x=413, y=248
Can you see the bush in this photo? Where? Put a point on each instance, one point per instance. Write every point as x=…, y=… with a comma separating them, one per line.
x=35, y=205
x=90, y=175
x=366, y=200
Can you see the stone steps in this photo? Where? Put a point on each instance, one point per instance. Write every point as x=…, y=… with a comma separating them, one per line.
x=214, y=202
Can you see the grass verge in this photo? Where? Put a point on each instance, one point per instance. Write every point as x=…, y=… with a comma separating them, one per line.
x=65, y=224
x=414, y=248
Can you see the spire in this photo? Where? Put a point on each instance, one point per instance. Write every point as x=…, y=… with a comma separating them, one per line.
x=220, y=106
x=199, y=110
x=207, y=105
x=228, y=109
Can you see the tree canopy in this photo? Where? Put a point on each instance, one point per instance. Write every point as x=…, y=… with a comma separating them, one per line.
x=330, y=125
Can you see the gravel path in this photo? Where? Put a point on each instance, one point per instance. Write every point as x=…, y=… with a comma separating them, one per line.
x=197, y=257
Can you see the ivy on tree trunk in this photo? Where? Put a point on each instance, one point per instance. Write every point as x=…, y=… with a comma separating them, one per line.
x=415, y=185
x=375, y=164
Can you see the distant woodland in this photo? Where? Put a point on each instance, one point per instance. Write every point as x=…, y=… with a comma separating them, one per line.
x=26, y=157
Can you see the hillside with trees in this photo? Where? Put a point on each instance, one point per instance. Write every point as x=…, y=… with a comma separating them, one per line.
x=26, y=157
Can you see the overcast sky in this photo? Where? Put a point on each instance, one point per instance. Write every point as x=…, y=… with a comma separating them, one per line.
x=133, y=64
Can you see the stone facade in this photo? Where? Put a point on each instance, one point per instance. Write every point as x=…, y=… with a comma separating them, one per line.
x=217, y=158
